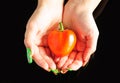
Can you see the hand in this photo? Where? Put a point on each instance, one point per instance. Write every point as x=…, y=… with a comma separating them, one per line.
x=78, y=17
x=45, y=18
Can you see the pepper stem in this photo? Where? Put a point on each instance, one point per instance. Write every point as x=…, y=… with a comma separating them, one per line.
x=61, y=26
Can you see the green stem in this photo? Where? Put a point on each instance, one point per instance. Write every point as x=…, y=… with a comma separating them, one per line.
x=61, y=26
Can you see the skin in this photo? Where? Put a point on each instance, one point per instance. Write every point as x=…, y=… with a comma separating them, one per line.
x=78, y=16
x=45, y=18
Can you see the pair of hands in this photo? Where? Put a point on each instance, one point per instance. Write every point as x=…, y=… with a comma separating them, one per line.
x=75, y=15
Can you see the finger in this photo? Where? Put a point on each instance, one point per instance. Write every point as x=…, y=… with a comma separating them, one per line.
x=77, y=63
x=62, y=61
x=70, y=60
x=39, y=60
x=56, y=59
x=90, y=49
x=29, y=37
x=55, y=71
x=47, y=58
x=47, y=51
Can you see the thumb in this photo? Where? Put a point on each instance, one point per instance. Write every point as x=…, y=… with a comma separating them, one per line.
x=29, y=42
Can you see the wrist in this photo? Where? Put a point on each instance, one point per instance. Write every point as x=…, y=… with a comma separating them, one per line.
x=50, y=3
x=84, y=5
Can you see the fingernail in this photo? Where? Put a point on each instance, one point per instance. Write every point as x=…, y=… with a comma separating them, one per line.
x=64, y=71
x=29, y=56
x=55, y=71
x=69, y=69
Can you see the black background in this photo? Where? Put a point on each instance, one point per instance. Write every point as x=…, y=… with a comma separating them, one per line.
x=103, y=67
